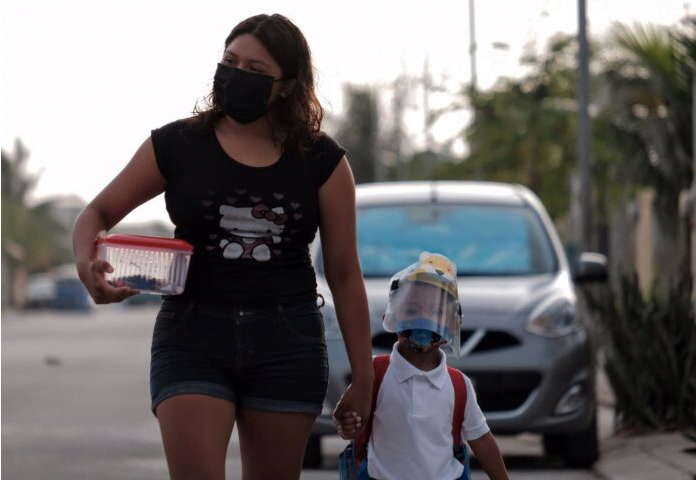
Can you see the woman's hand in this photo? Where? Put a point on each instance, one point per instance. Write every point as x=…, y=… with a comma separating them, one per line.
x=352, y=411
x=92, y=274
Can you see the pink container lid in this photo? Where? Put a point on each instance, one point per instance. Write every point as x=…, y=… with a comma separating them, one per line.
x=145, y=241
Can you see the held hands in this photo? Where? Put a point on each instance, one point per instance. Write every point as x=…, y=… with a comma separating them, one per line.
x=92, y=275
x=349, y=426
x=352, y=411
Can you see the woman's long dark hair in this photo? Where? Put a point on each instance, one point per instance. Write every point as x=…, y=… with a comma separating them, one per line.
x=296, y=117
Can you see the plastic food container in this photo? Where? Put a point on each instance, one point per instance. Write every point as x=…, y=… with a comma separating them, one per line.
x=149, y=264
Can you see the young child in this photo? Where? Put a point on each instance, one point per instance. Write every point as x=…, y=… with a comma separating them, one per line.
x=412, y=422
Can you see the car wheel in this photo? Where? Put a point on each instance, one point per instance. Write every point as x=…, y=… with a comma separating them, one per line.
x=312, y=456
x=581, y=449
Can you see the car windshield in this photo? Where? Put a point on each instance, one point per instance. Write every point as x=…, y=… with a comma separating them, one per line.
x=482, y=240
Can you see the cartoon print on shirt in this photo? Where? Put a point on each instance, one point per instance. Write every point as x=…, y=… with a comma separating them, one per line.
x=253, y=231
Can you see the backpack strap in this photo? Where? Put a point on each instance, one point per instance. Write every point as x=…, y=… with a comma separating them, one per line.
x=460, y=395
x=380, y=363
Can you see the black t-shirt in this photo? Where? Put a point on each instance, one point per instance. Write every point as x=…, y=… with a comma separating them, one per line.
x=250, y=226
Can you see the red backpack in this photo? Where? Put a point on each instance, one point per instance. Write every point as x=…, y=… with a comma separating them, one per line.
x=381, y=363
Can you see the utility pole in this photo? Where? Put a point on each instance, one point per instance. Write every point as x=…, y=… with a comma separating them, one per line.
x=428, y=120
x=693, y=183
x=472, y=43
x=585, y=234
x=427, y=114
x=398, y=107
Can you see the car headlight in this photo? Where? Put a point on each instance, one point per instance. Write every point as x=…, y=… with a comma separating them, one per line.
x=332, y=331
x=554, y=318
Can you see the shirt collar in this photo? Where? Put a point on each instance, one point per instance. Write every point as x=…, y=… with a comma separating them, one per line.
x=403, y=370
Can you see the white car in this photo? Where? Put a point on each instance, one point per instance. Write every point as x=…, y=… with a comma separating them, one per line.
x=40, y=290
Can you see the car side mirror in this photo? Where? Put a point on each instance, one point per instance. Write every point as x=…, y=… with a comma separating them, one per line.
x=591, y=267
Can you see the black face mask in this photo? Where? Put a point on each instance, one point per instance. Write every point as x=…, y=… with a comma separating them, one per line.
x=242, y=95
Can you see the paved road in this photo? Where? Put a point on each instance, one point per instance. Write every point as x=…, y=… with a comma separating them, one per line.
x=75, y=404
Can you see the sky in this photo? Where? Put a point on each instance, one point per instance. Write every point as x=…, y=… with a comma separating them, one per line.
x=84, y=81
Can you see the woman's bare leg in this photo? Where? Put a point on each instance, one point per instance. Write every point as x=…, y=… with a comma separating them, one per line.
x=272, y=444
x=196, y=430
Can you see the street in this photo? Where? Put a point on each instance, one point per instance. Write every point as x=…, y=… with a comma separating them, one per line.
x=75, y=404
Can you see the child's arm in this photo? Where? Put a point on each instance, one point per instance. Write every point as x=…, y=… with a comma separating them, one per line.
x=487, y=453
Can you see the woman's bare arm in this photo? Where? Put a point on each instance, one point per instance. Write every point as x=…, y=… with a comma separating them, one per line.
x=139, y=181
x=344, y=276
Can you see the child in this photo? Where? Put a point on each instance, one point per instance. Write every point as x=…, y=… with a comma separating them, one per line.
x=412, y=422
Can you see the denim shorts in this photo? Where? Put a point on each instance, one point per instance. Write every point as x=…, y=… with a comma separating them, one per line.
x=269, y=358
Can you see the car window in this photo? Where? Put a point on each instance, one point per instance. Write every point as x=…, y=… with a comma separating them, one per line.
x=482, y=240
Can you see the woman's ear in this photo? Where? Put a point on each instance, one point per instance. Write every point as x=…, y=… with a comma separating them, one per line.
x=287, y=88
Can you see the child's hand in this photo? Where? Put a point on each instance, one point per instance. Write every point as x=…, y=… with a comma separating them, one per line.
x=348, y=425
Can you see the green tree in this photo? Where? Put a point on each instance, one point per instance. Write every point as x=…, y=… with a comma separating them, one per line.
x=403, y=160
x=523, y=130
x=30, y=226
x=649, y=92
x=358, y=131
x=397, y=139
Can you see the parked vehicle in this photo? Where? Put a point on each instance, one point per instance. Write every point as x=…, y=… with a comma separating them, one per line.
x=40, y=290
x=58, y=289
x=526, y=344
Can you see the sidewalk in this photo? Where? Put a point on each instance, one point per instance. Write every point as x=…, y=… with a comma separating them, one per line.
x=661, y=456
x=648, y=457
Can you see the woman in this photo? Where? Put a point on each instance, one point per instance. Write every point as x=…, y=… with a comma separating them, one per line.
x=248, y=181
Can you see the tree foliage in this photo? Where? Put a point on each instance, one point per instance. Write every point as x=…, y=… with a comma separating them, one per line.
x=358, y=132
x=523, y=130
x=32, y=227
x=649, y=98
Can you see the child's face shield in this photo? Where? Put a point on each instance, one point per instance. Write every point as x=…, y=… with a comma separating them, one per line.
x=419, y=305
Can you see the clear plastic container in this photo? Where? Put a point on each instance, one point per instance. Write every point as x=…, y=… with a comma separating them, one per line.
x=151, y=265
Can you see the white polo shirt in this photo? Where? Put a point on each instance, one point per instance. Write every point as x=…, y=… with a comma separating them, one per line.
x=412, y=426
